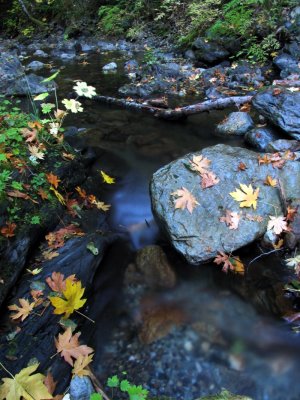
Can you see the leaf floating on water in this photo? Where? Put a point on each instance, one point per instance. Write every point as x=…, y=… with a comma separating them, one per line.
x=106, y=178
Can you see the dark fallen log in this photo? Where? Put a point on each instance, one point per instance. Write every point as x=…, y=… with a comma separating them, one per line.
x=36, y=337
x=180, y=112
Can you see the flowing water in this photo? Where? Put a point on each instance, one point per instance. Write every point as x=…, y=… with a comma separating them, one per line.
x=222, y=340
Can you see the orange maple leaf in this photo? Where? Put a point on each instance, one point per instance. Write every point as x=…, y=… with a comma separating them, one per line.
x=53, y=180
x=57, y=282
x=8, y=230
x=22, y=311
x=81, y=192
x=69, y=346
x=269, y=181
x=242, y=166
x=42, y=194
x=291, y=212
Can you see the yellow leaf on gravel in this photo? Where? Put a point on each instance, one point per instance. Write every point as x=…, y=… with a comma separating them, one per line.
x=25, y=386
x=72, y=300
x=247, y=196
x=22, y=311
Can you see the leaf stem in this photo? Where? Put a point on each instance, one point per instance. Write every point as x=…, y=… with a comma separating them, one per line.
x=85, y=316
x=6, y=370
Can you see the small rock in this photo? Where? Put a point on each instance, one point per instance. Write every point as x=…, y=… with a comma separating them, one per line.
x=40, y=53
x=259, y=138
x=189, y=55
x=81, y=388
x=35, y=65
x=151, y=268
x=131, y=65
x=209, y=52
x=269, y=239
x=283, y=145
x=112, y=66
x=237, y=124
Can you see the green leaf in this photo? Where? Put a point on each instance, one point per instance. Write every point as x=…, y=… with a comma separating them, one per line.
x=125, y=385
x=113, y=381
x=53, y=76
x=17, y=185
x=47, y=107
x=35, y=220
x=41, y=96
x=96, y=396
x=92, y=248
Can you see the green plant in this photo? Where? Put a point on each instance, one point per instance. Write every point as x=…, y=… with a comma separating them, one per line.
x=112, y=19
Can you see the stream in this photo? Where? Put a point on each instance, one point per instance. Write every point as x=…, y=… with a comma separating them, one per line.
x=222, y=332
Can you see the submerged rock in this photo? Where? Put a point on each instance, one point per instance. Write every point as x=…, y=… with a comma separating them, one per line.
x=110, y=67
x=236, y=124
x=200, y=235
x=283, y=109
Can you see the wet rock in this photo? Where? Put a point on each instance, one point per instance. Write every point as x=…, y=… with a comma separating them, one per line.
x=169, y=70
x=112, y=66
x=225, y=395
x=236, y=124
x=209, y=52
x=269, y=239
x=200, y=235
x=287, y=64
x=151, y=268
x=213, y=93
x=283, y=110
x=283, y=145
x=106, y=46
x=66, y=56
x=40, y=53
x=81, y=388
x=88, y=48
x=189, y=55
x=245, y=74
x=131, y=65
x=259, y=138
x=35, y=65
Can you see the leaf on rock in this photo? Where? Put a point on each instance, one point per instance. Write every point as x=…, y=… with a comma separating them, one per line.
x=106, y=178
x=242, y=166
x=277, y=224
x=209, y=179
x=57, y=239
x=22, y=311
x=72, y=299
x=185, y=200
x=25, y=386
x=291, y=212
x=224, y=259
x=247, y=196
x=269, y=181
x=232, y=219
x=200, y=164
x=80, y=365
x=69, y=346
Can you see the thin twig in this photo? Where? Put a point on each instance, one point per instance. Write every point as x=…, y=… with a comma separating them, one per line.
x=264, y=254
x=97, y=384
x=6, y=370
x=85, y=316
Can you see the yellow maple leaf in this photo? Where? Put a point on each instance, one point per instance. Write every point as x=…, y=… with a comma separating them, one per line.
x=247, y=196
x=72, y=299
x=58, y=196
x=106, y=178
x=269, y=181
x=22, y=311
x=24, y=385
x=80, y=365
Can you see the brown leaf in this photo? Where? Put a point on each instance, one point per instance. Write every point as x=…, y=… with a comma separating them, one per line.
x=185, y=200
x=291, y=212
x=69, y=346
x=209, y=179
x=53, y=180
x=81, y=192
x=50, y=383
x=8, y=230
x=231, y=219
x=57, y=282
x=224, y=259
x=57, y=239
x=20, y=195
x=242, y=166
x=30, y=135
x=42, y=194
x=255, y=218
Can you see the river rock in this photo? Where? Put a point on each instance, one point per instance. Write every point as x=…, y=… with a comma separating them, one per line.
x=112, y=66
x=283, y=145
x=81, y=388
x=35, y=65
x=259, y=138
x=282, y=110
x=40, y=53
x=236, y=124
x=287, y=64
x=210, y=52
x=200, y=235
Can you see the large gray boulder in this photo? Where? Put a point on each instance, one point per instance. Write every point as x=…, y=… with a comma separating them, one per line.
x=13, y=80
x=282, y=110
x=199, y=235
x=209, y=52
